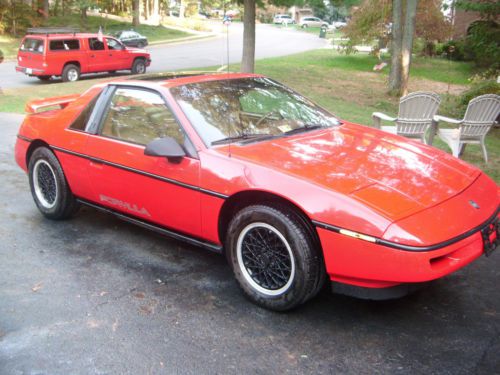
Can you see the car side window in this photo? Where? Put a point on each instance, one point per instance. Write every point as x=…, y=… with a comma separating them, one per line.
x=80, y=122
x=95, y=44
x=113, y=44
x=140, y=116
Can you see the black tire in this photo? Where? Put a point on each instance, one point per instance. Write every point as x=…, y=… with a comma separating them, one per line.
x=139, y=66
x=280, y=276
x=70, y=73
x=49, y=187
x=43, y=78
x=140, y=45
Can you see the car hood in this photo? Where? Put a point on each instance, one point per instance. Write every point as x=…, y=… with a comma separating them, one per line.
x=390, y=174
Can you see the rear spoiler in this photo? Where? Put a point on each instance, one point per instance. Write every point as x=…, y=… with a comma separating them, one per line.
x=34, y=106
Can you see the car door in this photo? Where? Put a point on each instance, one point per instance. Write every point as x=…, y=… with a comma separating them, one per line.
x=118, y=55
x=97, y=56
x=124, y=179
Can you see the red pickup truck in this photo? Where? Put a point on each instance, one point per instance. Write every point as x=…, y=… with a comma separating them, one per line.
x=47, y=52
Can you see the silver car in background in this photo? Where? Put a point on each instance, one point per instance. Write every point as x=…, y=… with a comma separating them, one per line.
x=283, y=19
x=312, y=22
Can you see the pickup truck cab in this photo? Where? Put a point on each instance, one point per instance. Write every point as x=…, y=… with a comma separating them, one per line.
x=47, y=52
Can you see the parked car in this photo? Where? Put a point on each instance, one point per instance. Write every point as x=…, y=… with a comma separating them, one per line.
x=242, y=165
x=132, y=38
x=283, y=19
x=47, y=52
x=339, y=24
x=312, y=22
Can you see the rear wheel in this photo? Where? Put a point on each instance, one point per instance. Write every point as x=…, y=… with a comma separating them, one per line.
x=70, y=73
x=49, y=187
x=273, y=257
x=139, y=66
x=43, y=78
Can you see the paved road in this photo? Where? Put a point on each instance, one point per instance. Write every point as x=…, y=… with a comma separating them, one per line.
x=94, y=295
x=270, y=41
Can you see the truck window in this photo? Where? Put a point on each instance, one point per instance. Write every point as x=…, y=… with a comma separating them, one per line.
x=32, y=45
x=64, y=45
x=95, y=44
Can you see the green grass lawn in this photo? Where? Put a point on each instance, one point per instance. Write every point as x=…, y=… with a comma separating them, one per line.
x=153, y=33
x=9, y=45
x=345, y=85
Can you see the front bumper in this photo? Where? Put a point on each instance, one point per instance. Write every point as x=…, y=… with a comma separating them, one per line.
x=373, y=265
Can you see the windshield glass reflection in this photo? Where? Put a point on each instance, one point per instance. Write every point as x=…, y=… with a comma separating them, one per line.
x=247, y=107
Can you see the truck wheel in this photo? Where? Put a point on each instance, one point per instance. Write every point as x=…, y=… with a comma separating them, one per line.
x=71, y=73
x=139, y=66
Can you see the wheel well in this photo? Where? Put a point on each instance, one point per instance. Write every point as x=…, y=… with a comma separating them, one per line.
x=33, y=146
x=72, y=63
x=244, y=199
x=139, y=58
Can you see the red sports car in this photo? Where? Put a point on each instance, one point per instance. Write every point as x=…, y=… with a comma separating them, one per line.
x=243, y=165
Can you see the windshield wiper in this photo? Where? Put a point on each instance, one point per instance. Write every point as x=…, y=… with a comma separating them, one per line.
x=240, y=137
x=304, y=128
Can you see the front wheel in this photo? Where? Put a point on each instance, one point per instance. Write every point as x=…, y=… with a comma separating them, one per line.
x=273, y=257
x=49, y=187
x=139, y=66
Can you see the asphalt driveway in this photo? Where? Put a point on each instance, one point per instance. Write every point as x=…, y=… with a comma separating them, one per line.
x=95, y=295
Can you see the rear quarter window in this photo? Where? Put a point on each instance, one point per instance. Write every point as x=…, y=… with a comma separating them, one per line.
x=32, y=45
x=64, y=45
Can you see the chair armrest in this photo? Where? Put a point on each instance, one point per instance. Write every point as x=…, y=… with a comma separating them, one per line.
x=447, y=119
x=377, y=116
x=383, y=116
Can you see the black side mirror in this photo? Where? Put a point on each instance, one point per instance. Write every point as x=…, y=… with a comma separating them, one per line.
x=166, y=147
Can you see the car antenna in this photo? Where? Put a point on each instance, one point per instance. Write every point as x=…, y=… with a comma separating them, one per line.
x=227, y=21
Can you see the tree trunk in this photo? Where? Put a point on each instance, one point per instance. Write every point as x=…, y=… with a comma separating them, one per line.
x=248, y=59
x=156, y=11
x=396, y=47
x=45, y=9
x=411, y=11
x=146, y=9
x=136, y=13
x=182, y=8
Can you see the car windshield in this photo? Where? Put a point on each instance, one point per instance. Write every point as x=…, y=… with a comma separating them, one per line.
x=246, y=108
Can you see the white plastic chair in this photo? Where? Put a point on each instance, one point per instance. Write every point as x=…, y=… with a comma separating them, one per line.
x=479, y=118
x=416, y=113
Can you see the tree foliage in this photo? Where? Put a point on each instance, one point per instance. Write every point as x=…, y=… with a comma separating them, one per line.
x=373, y=19
x=488, y=9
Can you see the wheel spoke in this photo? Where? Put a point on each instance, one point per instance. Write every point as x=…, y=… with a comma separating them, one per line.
x=266, y=258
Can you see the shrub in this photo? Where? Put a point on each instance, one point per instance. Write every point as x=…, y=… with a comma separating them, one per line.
x=482, y=44
x=480, y=88
x=453, y=49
